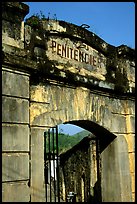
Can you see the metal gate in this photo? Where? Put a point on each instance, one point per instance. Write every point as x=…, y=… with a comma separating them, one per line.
x=51, y=159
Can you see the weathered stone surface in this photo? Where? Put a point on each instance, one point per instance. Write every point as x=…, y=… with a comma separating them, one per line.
x=119, y=106
x=132, y=120
x=118, y=123
x=124, y=170
x=91, y=62
x=130, y=124
x=130, y=138
x=133, y=183
x=15, y=192
x=12, y=16
x=66, y=104
x=126, y=188
x=15, y=84
x=106, y=115
x=94, y=85
x=132, y=172
x=16, y=137
x=131, y=70
x=114, y=158
x=130, y=107
x=38, y=93
x=37, y=165
x=15, y=110
x=132, y=161
x=109, y=182
x=75, y=166
x=15, y=166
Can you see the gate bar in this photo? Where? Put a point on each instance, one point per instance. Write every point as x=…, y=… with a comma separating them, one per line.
x=45, y=159
x=54, y=165
x=49, y=162
x=57, y=163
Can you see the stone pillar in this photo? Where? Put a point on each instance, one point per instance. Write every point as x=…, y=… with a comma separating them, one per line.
x=115, y=178
x=15, y=136
x=37, y=165
x=13, y=14
x=15, y=110
x=130, y=139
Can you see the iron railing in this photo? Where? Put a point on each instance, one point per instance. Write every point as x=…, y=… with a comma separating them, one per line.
x=51, y=157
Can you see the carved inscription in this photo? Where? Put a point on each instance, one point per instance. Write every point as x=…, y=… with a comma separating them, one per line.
x=63, y=50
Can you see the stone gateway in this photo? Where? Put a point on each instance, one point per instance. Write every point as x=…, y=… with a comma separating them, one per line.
x=55, y=72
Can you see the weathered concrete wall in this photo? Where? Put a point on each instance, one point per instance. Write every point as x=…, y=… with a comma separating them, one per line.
x=15, y=131
x=118, y=191
x=75, y=55
x=77, y=171
x=15, y=111
x=12, y=23
x=15, y=192
x=54, y=104
x=37, y=165
x=39, y=92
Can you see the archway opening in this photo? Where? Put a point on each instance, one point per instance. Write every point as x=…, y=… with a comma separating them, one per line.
x=104, y=136
x=79, y=161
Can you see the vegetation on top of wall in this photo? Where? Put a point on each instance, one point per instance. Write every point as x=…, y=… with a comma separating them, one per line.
x=35, y=20
x=115, y=73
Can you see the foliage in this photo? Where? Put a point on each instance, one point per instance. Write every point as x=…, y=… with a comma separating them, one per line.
x=65, y=141
x=34, y=20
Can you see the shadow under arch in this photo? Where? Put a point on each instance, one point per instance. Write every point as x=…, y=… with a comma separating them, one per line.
x=103, y=135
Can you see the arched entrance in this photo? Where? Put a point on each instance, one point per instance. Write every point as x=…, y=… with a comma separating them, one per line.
x=99, y=114
x=108, y=154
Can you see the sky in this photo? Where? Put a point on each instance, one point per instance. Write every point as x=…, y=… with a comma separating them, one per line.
x=114, y=22
x=69, y=129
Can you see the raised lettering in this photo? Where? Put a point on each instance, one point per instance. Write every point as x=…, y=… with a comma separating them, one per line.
x=53, y=45
x=91, y=60
x=99, y=62
x=71, y=53
x=81, y=56
x=76, y=55
x=94, y=61
x=58, y=49
x=63, y=50
x=67, y=52
x=86, y=58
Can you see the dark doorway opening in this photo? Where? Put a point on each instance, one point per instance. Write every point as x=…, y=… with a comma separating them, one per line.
x=59, y=183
